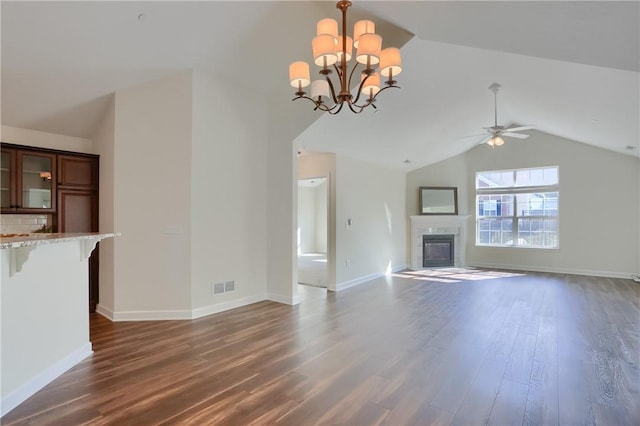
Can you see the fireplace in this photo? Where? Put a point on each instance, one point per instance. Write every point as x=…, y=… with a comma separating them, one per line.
x=429, y=225
x=437, y=250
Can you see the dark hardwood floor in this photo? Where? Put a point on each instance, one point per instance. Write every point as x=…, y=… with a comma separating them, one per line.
x=437, y=348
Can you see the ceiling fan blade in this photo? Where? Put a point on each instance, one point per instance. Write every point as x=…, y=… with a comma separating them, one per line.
x=515, y=135
x=472, y=136
x=485, y=140
x=519, y=129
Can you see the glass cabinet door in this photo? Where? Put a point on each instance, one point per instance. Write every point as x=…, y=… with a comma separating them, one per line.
x=6, y=185
x=36, y=184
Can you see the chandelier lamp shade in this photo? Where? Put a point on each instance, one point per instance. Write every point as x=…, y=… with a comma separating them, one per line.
x=333, y=52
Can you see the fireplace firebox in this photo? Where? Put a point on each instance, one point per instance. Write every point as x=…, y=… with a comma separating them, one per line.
x=437, y=250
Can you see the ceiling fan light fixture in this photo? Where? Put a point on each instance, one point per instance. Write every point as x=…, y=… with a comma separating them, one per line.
x=495, y=141
x=496, y=132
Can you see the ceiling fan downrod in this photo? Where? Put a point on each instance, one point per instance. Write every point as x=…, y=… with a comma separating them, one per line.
x=494, y=88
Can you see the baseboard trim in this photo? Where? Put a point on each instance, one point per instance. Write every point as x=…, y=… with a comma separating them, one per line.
x=357, y=281
x=400, y=268
x=280, y=298
x=179, y=314
x=22, y=393
x=105, y=312
x=365, y=278
x=586, y=272
x=151, y=315
x=225, y=306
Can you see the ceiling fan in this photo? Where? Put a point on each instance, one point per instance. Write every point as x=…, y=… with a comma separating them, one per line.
x=496, y=132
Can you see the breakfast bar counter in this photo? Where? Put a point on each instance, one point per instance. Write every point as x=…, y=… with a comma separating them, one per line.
x=21, y=245
x=33, y=239
x=44, y=309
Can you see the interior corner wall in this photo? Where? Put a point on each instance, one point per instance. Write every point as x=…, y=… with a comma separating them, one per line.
x=450, y=172
x=286, y=121
x=599, y=204
x=38, y=139
x=228, y=193
x=321, y=197
x=282, y=199
x=371, y=221
x=313, y=165
x=152, y=151
x=306, y=219
x=104, y=145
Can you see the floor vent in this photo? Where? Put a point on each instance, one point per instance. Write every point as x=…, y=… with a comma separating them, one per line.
x=223, y=287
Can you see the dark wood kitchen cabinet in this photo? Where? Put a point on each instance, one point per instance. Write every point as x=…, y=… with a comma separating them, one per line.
x=76, y=172
x=77, y=199
x=78, y=212
x=58, y=183
x=27, y=181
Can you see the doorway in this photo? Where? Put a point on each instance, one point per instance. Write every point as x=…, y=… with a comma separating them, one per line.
x=312, y=231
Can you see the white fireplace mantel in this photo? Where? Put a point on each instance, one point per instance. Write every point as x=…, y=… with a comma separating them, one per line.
x=433, y=225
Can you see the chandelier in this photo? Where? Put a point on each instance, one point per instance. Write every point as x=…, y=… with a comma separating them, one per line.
x=332, y=52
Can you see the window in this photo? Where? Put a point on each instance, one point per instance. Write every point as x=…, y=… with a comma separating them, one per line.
x=517, y=208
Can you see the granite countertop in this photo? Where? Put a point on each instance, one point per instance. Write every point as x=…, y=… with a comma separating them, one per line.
x=24, y=240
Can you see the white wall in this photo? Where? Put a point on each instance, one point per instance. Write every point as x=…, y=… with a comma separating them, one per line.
x=312, y=218
x=228, y=193
x=312, y=165
x=152, y=197
x=321, y=196
x=101, y=144
x=28, y=137
x=286, y=120
x=184, y=172
x=373, y=199
x=104, y=146
x=307, y=219
x=599, y=204
x=45, y=323
x=450, y=172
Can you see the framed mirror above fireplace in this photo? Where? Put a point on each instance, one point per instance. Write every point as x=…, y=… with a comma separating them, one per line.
x=438, y=200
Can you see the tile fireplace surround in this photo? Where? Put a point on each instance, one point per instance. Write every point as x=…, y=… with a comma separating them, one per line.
x=434, y=225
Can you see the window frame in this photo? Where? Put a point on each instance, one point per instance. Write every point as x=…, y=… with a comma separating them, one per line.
x=515, y=218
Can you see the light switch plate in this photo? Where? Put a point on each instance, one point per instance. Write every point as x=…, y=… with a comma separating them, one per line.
x=173, y=229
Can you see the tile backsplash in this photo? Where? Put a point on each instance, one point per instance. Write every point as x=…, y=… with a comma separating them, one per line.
x=23, y=223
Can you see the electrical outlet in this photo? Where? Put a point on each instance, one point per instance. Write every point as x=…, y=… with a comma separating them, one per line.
x=229, y=286
x=218, y=288
x=347, y=263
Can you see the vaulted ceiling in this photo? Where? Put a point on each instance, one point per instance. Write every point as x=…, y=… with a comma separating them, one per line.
x=570, y=68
